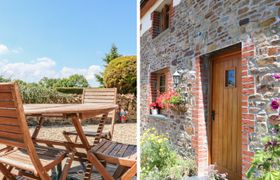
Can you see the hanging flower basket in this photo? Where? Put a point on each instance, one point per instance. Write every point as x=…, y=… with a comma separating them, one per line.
x=179, y=108
x=174, y=101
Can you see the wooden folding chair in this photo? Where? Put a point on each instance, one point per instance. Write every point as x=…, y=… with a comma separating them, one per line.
x=98, y=96
x=28, y=160
x=123, y=155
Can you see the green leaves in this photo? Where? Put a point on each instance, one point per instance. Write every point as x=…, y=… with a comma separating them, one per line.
x=160, y=161
x=121, y=74
x=266, y=162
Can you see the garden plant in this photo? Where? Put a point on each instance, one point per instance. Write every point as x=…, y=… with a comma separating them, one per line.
x=266, y=162
x=160, y=161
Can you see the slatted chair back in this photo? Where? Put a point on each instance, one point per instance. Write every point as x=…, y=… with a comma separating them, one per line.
x=13, y=126
x=101, y=96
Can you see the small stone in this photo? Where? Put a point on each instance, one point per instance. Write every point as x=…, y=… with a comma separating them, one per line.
x=209, y=14
x=266, y=61
x=265, y=88
x=189, y=53
x=275, y=42
x=244, y=21
x=189, y=130
x=274, y=120
x=272, y=51
x=243, y=10
x=268, y=22
x=174, y=62
x=255, y=97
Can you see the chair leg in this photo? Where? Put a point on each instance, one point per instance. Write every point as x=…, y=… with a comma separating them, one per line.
x=67, y=166
x=88, y=171
x=130, y=173
x=6, y=172
x=119, y=171
x=99, y=167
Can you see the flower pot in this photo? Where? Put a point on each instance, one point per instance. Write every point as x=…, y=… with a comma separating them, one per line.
x=154, y=111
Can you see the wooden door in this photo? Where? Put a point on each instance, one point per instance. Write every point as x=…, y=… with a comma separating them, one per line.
x=226, y=114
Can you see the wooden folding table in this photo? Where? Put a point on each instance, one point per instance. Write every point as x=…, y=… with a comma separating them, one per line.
x=77, y=113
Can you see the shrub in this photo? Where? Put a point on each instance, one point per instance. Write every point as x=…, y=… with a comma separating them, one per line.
x=70, y=90
x=160, y=161
x=121, y=74
x=38, y=94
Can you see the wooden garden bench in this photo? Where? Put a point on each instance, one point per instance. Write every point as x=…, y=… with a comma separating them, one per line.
x=21, y=155
x=98, y=96
x=123, y=155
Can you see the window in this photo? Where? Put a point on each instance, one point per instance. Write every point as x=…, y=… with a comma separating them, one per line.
x=230, y=78
x=160, y=19
x=162, y=83
x=164, y=18
x=159, y=83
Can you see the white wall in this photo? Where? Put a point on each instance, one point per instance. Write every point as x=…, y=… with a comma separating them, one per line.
x=146, y=21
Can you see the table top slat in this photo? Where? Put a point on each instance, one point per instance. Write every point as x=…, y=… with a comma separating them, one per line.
x=37, y=109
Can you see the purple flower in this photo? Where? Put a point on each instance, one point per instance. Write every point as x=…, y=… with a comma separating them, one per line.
x=276, y=76
x=274, y=104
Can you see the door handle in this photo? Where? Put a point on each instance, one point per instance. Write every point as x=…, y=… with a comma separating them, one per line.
x=213, y=114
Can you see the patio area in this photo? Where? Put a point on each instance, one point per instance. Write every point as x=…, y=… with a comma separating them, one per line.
x=124, y=133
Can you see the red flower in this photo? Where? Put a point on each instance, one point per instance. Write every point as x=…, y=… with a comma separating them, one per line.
x=155, y=105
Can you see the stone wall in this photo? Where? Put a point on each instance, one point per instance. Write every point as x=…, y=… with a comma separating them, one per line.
x=125, y=101
x=198, y=29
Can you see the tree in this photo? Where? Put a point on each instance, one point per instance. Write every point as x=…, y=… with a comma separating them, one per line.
x=48, y=82
x=2, y=79
x=75, y=80
x=113, y=54
x=121, y=74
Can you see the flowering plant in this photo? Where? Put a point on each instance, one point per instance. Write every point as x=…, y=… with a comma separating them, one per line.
x=170, y=99
x=275, y=104
x=174, y=100
x=155, y=105
x=266, y=162
x=276, y=76
x=159, y=160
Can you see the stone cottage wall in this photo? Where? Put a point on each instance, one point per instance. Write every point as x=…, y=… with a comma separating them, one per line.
x=199, y=28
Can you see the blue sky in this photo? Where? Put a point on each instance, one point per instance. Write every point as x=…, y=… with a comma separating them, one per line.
x=58, y=38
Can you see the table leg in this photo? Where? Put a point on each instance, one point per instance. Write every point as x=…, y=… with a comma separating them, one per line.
x=38, y=127
x=77, y=124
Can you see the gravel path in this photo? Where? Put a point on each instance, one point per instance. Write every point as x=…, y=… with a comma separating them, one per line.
x=125, y=133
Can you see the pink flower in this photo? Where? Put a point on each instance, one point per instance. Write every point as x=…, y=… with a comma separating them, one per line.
x=274, y=104
x=276, y=76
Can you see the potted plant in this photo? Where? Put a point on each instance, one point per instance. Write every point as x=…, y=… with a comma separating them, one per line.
x=174, y=100
x=155, y=107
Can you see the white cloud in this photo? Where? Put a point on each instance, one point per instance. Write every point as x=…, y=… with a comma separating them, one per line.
x=89, y=73
x=44, y=67
x=3, y=49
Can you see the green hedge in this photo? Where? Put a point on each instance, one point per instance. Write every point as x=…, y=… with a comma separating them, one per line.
x=39, y=94
x=70, y=90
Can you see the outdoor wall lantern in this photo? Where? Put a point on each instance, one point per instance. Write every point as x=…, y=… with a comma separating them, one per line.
x=176, y=78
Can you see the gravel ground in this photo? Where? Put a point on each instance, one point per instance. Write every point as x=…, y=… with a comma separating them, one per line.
x=125, y=133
